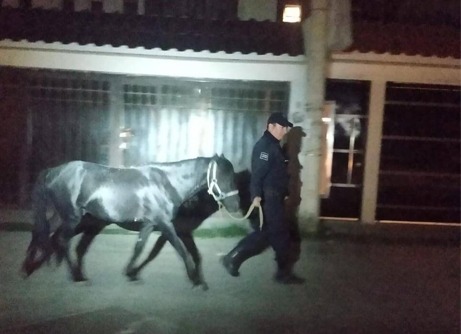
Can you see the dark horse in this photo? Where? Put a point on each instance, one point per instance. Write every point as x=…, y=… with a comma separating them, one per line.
x=147, y=196
x=189, y=217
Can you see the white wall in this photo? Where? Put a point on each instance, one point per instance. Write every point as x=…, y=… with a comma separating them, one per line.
x=139, y=61
x=397, y=68
x=259, y=10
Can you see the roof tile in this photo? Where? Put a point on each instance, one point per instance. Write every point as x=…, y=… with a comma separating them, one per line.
x=397, y=38
x=151, y=32
x=213, y=35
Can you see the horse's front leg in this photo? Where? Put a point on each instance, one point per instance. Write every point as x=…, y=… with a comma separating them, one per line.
x=189, y=242
x=144, y=233
x=170, y=233
x=152, y=255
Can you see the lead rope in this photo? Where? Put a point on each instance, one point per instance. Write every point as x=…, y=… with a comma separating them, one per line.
x=250, y=210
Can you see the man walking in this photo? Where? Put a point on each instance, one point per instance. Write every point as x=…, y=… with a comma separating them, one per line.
x=269, y=188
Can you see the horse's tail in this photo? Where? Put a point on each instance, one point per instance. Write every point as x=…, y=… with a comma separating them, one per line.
x=39, y=249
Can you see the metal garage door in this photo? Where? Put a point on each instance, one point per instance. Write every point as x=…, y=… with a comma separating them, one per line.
x=419, y=176
x=55, y=116
x=170, y=120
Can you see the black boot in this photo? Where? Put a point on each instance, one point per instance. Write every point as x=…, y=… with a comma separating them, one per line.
x=242, y=252
x=231, y=266
x=233, y=260
x=285, y=275
x=251, y=245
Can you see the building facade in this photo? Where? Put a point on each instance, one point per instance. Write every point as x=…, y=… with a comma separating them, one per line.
x=102, y=84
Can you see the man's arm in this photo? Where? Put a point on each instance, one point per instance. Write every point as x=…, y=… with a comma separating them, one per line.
x=260, y=167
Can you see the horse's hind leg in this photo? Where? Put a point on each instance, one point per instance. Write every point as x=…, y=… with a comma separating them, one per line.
x=61, y=245
x=58, y=246
x=89, y=233
x=60, y=242
x=144, y=233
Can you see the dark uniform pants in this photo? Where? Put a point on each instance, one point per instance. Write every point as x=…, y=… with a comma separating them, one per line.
x=275, y=231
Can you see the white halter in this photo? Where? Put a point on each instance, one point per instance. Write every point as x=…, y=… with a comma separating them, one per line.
x=213, y=183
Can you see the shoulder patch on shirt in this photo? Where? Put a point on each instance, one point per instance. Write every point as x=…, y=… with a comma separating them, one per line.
x=264, y=156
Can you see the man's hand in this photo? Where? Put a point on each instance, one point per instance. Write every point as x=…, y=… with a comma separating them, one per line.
x=257, y=201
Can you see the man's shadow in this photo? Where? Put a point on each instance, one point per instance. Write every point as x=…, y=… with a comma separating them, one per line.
x=292, y=148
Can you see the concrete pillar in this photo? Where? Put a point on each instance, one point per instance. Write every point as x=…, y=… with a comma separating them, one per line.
x=373, y=151
x=315, y=31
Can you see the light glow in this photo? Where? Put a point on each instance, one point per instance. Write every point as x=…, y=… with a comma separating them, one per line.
x=292, y=13
x=201, y=133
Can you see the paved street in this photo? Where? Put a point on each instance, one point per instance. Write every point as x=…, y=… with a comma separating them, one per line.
x=352, y=287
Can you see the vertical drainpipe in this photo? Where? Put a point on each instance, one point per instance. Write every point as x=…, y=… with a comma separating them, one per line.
x=315, y=32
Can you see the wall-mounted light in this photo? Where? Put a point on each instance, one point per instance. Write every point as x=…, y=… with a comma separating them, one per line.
x=292, y=13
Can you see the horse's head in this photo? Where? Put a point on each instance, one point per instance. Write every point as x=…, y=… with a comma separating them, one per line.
x=37, y=253
x=221, y=183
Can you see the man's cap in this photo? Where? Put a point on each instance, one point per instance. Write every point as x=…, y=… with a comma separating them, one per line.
x=279, y=118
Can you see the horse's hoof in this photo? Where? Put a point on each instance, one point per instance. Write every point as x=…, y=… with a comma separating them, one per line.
x=132, y=278
x=77, y=276
x=135, y=281
x=79, y=279
x=82, y=283
x=132, y=275
x=27, y=270
x=199, y=283
x=24, y=274
x=204, y=286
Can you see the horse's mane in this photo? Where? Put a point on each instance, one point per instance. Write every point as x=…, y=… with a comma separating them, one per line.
x=172, y=163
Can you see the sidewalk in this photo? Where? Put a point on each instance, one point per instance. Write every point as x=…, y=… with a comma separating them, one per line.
x=217, y=224
x=392, y=232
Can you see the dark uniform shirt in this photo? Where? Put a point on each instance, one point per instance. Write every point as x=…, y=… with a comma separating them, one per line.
x=268, y=167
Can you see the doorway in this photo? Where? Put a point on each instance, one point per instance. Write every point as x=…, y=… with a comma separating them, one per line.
x=345, y=122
